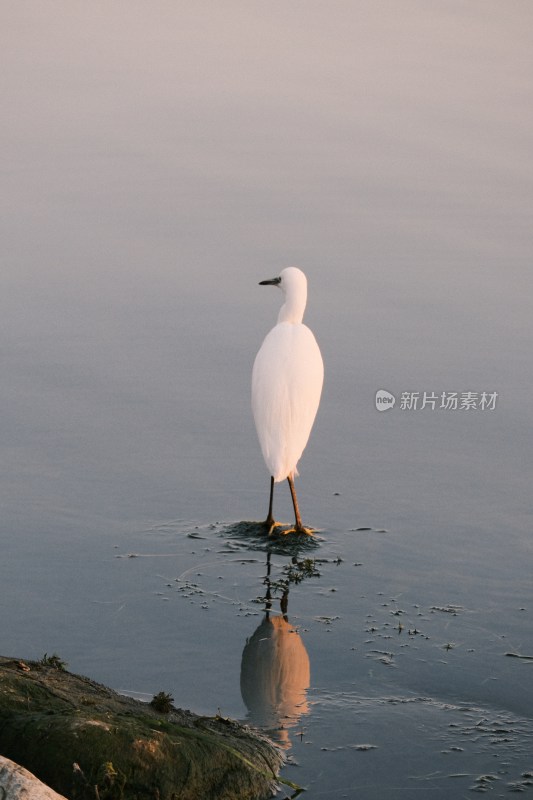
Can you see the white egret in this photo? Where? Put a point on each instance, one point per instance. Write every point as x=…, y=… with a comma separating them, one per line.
x=287, y=382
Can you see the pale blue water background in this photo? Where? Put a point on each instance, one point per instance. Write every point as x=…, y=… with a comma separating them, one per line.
x=159, y=160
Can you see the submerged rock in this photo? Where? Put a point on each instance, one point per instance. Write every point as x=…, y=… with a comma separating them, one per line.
x=90, y=743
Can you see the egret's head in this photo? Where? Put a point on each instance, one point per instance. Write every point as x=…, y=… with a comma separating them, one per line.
x=290, y=280
x=293, y=284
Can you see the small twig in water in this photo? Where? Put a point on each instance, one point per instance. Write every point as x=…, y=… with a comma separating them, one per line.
x=518, y=655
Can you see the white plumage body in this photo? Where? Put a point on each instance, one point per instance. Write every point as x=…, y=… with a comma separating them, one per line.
x=287, y=382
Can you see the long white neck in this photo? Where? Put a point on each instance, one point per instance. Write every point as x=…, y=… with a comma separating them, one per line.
x=293, y=308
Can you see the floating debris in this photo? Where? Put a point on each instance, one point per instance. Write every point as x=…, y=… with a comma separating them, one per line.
x=519, y=655
x=382, y=656
x=483, y=783
x=448, y=609
x=524, y=784
x=360, y=747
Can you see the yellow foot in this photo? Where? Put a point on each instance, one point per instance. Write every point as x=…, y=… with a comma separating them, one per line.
x=270, y=526
x=299, y=530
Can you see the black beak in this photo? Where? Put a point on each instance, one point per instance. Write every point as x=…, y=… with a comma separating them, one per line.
x=271, y=282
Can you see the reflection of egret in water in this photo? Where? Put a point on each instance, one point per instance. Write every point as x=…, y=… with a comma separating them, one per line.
x=275, y=671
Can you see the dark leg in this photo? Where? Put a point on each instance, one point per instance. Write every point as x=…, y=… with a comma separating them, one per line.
x=269, y=522
x=268, y=597
x=298, y=527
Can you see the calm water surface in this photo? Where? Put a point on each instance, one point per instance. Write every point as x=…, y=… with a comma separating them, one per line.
x=160, y=162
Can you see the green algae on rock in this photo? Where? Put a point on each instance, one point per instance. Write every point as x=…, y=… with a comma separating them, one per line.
x=86, y=741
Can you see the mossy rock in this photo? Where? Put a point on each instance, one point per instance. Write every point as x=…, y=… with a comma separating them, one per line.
x=89, y=743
